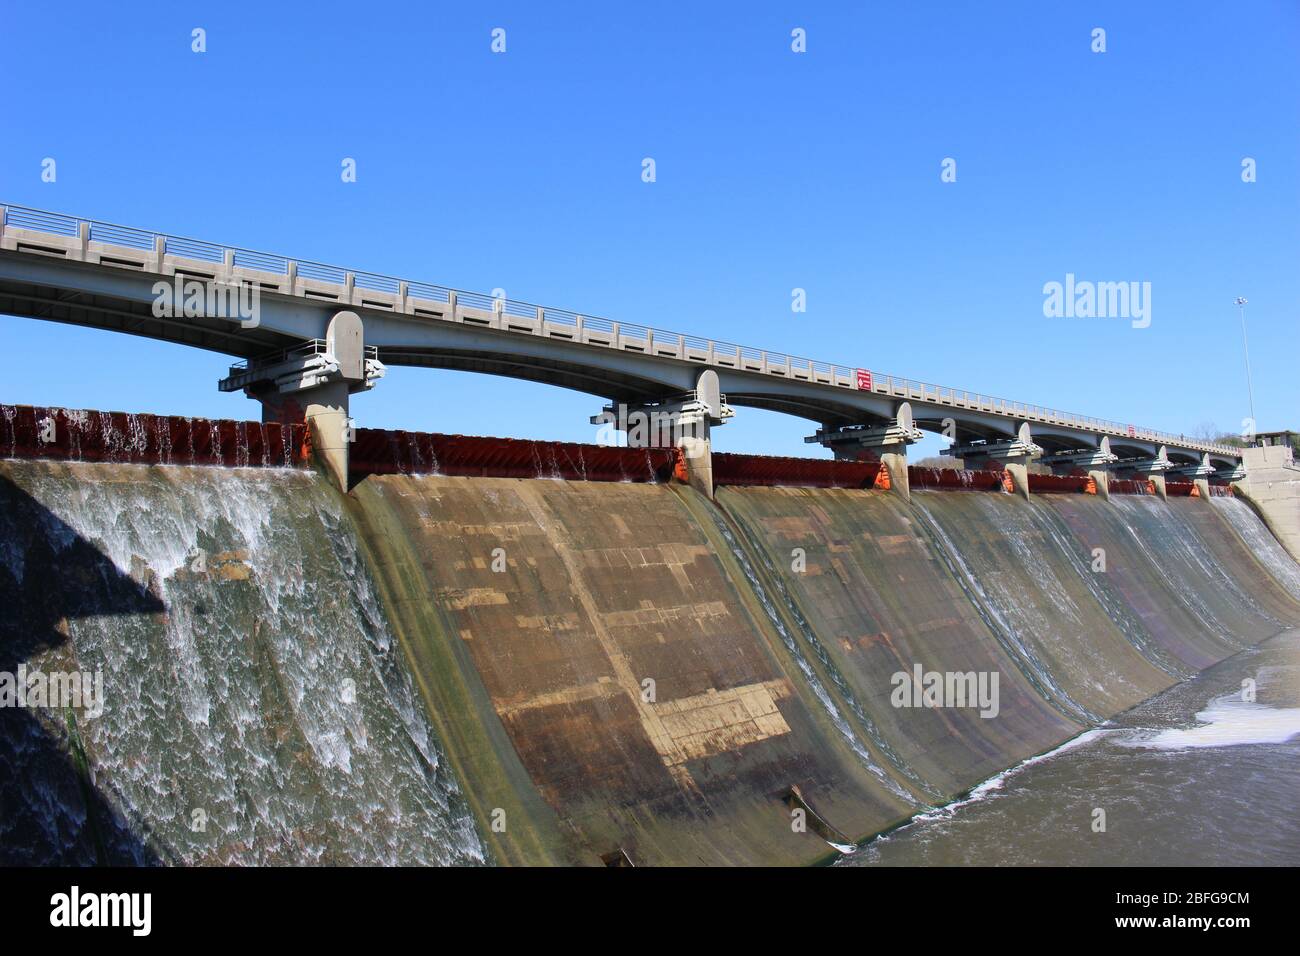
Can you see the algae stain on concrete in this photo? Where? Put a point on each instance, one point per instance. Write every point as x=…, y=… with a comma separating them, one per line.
x=657, y=720
x=881, y=601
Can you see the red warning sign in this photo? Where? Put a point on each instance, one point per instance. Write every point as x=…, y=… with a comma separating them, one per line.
x=1132, y=432
x=864, y=380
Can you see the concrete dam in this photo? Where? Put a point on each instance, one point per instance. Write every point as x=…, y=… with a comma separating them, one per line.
x=504, y=652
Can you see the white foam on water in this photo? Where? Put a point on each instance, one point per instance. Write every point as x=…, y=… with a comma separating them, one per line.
x=228, y=695
x=995, y=782
x=1227, y=722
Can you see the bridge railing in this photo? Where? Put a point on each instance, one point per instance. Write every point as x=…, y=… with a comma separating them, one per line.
x=305, y=350
x=591, y=330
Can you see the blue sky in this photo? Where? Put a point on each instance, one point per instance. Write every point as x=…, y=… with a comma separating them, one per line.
x=775, y=170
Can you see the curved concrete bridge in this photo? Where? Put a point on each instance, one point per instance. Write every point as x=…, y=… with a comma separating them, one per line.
x=312, y=334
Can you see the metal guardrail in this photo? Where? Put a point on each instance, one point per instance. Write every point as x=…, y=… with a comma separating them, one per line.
x=310, y=347
x=295, y=360
x=585, y=328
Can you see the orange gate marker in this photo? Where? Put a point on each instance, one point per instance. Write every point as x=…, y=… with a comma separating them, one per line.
x=680, y=471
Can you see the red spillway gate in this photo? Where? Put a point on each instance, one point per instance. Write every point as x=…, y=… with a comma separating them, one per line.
x=64, y=434
x=80, y=435
x=390, y=452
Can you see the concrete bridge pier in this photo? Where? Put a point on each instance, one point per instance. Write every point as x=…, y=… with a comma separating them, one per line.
x=1199, y=473
x=325, y=410
x=313, y=384
x=1013, y=455
x=691, y=435
x=1152, y=469
x=682, y=421
x=886, y=444
x=1095, y=462
x=696, y=414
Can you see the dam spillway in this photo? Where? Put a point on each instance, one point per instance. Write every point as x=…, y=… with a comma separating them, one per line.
x=255, y=707
x=601, y=588
x=455, y=664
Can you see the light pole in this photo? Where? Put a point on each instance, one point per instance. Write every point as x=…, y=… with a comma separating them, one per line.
x=1250, y=389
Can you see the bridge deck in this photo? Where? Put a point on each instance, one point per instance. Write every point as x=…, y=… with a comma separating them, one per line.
x=30, y=233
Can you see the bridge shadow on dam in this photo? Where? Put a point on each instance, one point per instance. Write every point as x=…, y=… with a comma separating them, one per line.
x=51, y=810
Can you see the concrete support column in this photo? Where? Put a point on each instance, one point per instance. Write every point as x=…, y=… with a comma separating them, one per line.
x=886, y=444
x=1101, y=478
x=1157, y=480
x=1095, y=462
x=1012, y=455
x=894, y=458
x=697, y=448
x=1200, y=475
x=311, y=384
x=325, y=411
x=1018, y=469
x=695, y=423
x=329, y=425
x=1015, y=467
x=1152, y=469
x=686, y=420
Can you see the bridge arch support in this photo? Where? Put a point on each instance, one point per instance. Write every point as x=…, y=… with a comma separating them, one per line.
x=313, y=384
x=1011, y=455
x=683, y=420
x=885, y=442
x=1094, y=459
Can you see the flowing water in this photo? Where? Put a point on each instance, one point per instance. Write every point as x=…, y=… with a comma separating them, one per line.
x=884, y=597
x=255, y=707
x=1266, y=548
x=1197, y=775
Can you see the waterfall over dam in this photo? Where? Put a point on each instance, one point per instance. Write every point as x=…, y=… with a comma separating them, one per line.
x=255, y=707
x=450, y=664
